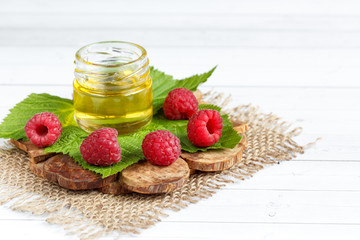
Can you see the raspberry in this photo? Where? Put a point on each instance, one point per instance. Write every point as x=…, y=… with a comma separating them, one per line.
x=43, y=129
x=204, y=128
x=101, y=147
x=161, y=147
x=180, y=103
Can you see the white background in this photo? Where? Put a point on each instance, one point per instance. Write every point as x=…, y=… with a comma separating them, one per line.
x=298, y=59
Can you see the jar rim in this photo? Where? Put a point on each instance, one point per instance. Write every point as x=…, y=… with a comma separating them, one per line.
x=142, y=56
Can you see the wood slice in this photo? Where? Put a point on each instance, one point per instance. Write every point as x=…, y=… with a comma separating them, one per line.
x=63, y=170
x=192, y=171
x=143, y=177
x=35, y=153
x=114, y=188
x=215, y=160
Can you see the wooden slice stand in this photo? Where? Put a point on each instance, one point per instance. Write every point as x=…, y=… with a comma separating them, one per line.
x=141, y=177
x=147, y=178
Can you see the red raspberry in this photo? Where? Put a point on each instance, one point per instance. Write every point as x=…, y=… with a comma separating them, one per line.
x=161, y=147
x=204, y=128
x=101, y=147
x=180, y=103
x=43, y=129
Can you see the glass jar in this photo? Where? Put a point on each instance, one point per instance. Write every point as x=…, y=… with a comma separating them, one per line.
x=112, y=87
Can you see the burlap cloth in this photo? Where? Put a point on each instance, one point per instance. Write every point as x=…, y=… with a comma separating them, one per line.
x=91, y=214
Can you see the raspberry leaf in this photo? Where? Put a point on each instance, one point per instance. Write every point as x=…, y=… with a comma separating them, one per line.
x=69, y=141
x=229, y=137
x=14, y=123
x=164, y=83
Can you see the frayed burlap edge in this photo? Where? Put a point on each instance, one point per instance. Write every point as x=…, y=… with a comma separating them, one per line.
x=91, y=214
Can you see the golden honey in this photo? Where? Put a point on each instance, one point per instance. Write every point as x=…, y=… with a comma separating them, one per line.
x=112, y=87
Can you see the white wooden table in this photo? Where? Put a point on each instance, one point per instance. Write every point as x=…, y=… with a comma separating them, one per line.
x=298, y=59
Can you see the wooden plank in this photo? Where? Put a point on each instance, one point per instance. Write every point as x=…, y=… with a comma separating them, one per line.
x=185, y=7
x=306, y=175
x=249, y=76
x=64, y=56
x=309, y=99
x=179, y=21
x=270, y=206
x=276, y=207
x=195, y=230
x=186, y=38
x=279, y=67
x=250, y=231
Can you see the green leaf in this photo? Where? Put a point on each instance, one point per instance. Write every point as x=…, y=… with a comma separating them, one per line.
x=69, y=141
x=163, y=84
x=229, y=137
x=14, y=123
